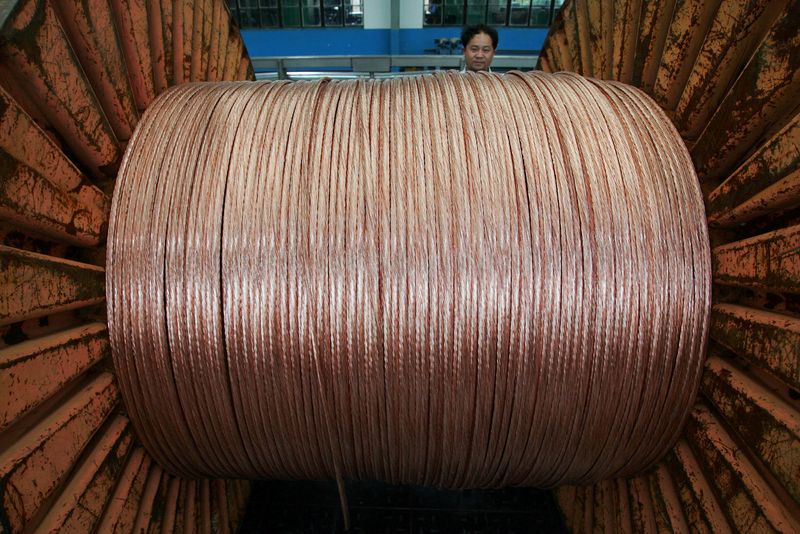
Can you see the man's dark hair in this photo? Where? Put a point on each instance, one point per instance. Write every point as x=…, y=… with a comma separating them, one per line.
x=471, y=31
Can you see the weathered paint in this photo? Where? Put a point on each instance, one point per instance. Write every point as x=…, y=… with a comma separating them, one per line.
x=130, y=17
x=201, y=45
x=25, y=141
x=170, y=32
x=177, y=43
x=626, y=28
x=642, y=513
x=158, y=55
x=746, y=497
x=170, y=504
x=737, y=27
x=34, y=204
x=121, y=510
x=81, y=502
x=34, y=45
x=34, y=285
x=33, y=466
x=189, y=519
x=594, y=25
x=233, y=54
x=181, y=503
x=204, y=506
x=584, y=40
x=753, y=189
x=770, y=261
x=219, y=16
x=562, y=50
x=663, y=486
x=622, y=506
x=768, y=425
x=32, y=371
x=145, y=515
x=653, y=28
x=660, y=514
x=219, y=507
x=544, y=65
x=690, y=24
x=565, y=497
x=188, y=32
x=571, y=32
x=598, y=522
x=757, y=102
x=764, y=338
x=700, y=505
x=89, y=24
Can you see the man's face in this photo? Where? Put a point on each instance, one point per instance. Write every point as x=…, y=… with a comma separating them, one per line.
x=479, y=52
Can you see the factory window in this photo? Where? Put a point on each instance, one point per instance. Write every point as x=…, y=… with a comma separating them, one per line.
x=297, y=13
x=528, y=13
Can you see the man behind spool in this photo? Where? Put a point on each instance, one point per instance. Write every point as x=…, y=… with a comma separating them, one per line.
x=480, y=43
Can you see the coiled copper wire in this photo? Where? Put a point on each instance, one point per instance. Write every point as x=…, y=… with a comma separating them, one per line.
x=454, y=280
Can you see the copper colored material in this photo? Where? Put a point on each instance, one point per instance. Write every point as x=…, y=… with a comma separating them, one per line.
x=408, y=280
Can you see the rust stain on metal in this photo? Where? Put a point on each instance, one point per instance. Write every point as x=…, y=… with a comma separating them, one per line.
x=761, y=100
x=660, y=514
x=233, y=54
x=158, y=55
x=559, y=39
x=565, y=497
x=170, y=32
x=89, y=24
x=737, y=27
x=597, y=522
x=188, y=38
x=626, y=28
x=150, y=514
x=204, y=506
x=188, y=519
x=544, y=63
x=770, y=261
x=36, y=48
x=36, y=285
x=219, y=509
x=765, y=338
x=755, y=187
x=653, y=27
x=178, y=43
x=170, y=503
x=571, y=32
x=131, y=20
x=33, y=203
x=749, y=502
x=768, y=424
x=124, y=503
x=203, y=47
x=700, y=505
x=219, y=17
x=642, y=513
x=663, y=486
x=594, y=24
x=622, y=506
x=584, y=40
x=81, y=502
x=39, y=460
x=690, y=24
x=26, y=142
x=32, y=371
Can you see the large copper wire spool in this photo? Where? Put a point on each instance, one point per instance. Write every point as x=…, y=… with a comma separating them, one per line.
x=460, y=281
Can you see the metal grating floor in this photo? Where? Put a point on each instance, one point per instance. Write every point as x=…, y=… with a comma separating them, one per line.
x=277, y=506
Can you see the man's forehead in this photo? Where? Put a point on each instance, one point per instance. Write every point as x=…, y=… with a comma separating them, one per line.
x=480, y=39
